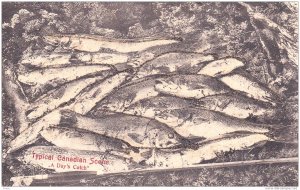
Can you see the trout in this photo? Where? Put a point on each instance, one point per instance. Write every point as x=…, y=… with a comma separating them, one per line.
x=193, y=122
x=238, y=105
x=92, y=43
x=173, y=62
x=137, y=131
x=221, y=67
x=54, y=98
x=206, y=151
x=50, y=157
x=191, y=86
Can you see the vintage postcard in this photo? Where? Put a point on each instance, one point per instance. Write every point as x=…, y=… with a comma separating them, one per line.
x=149, y=94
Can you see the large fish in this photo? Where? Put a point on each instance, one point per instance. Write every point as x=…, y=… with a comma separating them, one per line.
x=54, y=98
x=191, y=86
x=137, y=131
x=245, y=83
x=63, y=160
x=73, y=138
x=150, y=107
x=88, y=100
x=41, y=81
x=206, y=151
x=238, y=105
x=221, y=67
x=32, y=133
x=92, y=43
x=129, y=94
x=173, y=62
x=194, y=122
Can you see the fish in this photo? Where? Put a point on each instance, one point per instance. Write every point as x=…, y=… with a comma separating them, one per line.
x=86, y=101
x=178, y=62
x=191, y=86
x=221, y=67
x=153, y=106
x=51, y=157
x=93, y=43
x=57, y=97
x=43, y=60
x=73, y=138
x=195, y=122
x=137, y=131
x=251, y=87
x=128, y=94
x=188, y=157
x=32, y=133
x=56, y=76
x=238, y=105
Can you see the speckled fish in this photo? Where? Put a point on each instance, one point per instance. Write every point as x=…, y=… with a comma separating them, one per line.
x=32, y=133
x=188, y=157
x=191, y=86
x=51, y=157
x=54, y=98
x=150, y=107
x=221, y=67
x=88, y=100
x=128, y=95
x=174, y=62
x=193, y=122
x=246, y=83
x=237, y=105
x=73, y=138
x=137, y=131
x=47, y=60
x=56, y=76
x=92, y=43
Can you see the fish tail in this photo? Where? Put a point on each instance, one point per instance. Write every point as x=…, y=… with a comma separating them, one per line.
x=282, y=133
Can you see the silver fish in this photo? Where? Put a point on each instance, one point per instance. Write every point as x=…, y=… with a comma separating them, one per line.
x=192, y=122
x=92, y=43
x=188, y=157
x=237, y=105
x=137, y=131
x=173, y=62
x=221, y=67
x=191, y=86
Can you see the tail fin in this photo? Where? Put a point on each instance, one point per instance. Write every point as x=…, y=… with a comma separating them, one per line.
x=287, y=134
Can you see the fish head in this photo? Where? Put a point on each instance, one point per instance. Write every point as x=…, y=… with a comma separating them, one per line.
x=51, y=133
x=57, y=40
x=166, y=85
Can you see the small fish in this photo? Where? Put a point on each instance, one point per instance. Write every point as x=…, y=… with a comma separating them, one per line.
x=247, y=84
x=173, y=62
x=191, y=86
x=188, y=157
x=57, y=76
x=237, y=105
x=50, y=157
x=72, y=138
x=32, y=133
x=47, y=60
x=137, y=131
x=92, y=43
x=221, y=67
x=88, y=100
x=54, y=98
x=129, y=94
x=194, y=122
x=150, y=107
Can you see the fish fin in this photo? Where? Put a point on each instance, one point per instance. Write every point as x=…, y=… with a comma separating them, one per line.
x=74, y=134
x=283, y=134
x=136, y=137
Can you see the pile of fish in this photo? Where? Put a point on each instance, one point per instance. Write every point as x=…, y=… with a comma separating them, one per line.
x=135, y=106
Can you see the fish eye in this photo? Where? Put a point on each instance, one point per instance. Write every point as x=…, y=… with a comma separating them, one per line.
x=171, y=136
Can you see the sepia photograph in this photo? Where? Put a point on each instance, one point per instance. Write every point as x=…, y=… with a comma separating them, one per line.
x=201, y=94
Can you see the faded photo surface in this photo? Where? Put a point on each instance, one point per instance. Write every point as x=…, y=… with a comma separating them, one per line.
x=149, y=94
